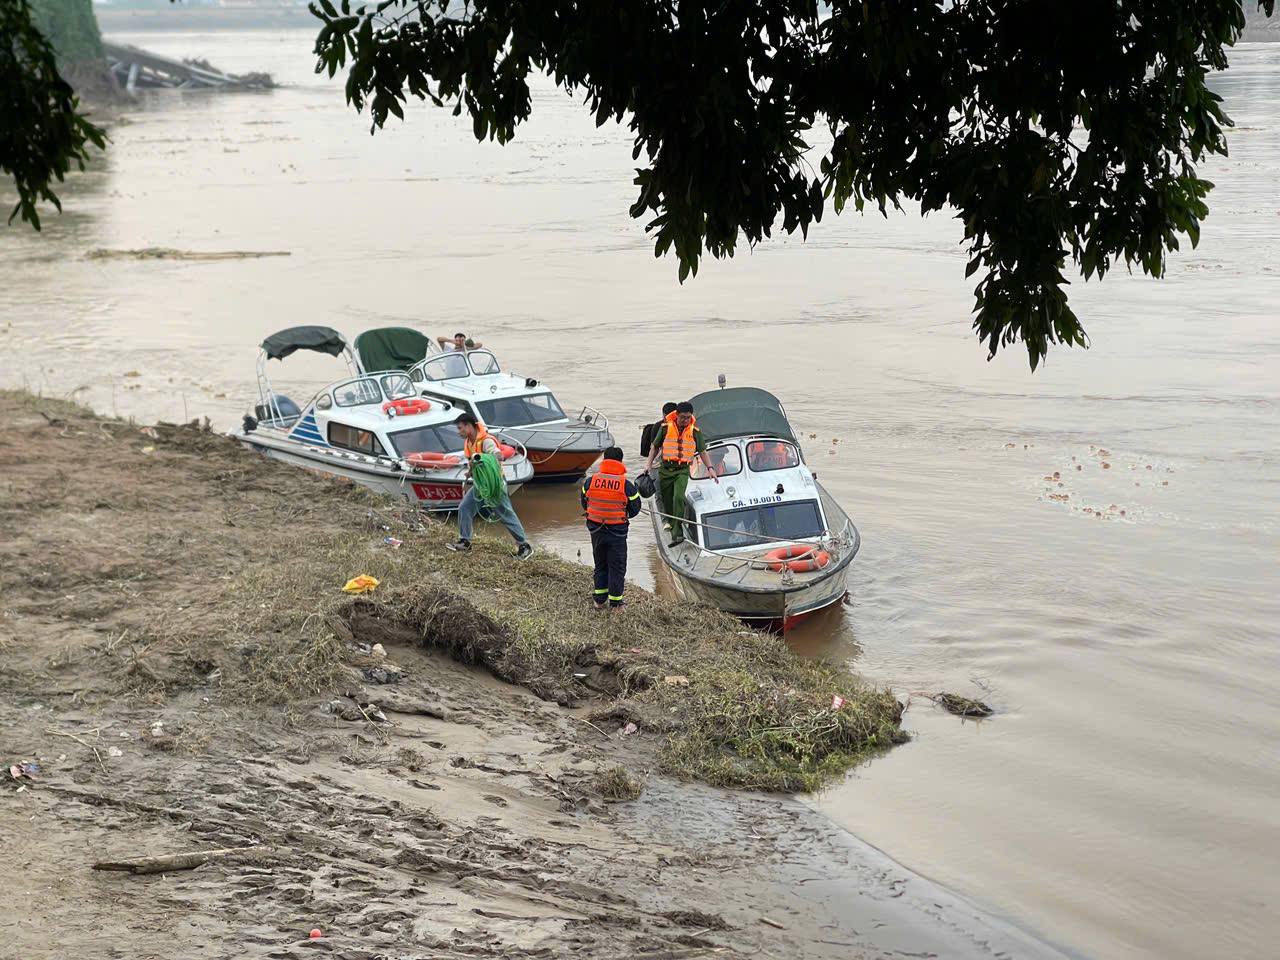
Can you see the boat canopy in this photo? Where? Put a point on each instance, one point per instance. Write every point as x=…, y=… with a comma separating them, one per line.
x=391, y=348
x=740, y=412
x=321, y=339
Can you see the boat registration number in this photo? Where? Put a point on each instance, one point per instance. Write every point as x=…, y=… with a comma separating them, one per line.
x=753, y=501
x=436, y=491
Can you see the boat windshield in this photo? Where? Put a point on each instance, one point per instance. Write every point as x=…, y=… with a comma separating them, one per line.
x=483, y=362
x=726, y=461
x=357, y=393
x=398, y=387
x=762, y=524
x=439, y=439
x=446, y=366
x=765, y=455
x=520, y=411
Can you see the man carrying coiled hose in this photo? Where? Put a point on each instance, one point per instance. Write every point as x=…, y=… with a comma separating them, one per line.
x=611, y=501
x=488, y=488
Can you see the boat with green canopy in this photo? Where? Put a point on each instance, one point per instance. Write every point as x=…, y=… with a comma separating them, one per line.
x=371, y=428
x=561, y=447
x=765, y=540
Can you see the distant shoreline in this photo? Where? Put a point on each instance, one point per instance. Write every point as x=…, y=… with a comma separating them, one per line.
x=178, y=17
x=122, y=20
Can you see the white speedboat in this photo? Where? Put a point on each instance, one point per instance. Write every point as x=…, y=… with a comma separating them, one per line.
x=768, y=543
x=372, y=428
x=560, y=447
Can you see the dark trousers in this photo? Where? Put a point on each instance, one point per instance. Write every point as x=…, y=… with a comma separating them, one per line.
x=609, y=549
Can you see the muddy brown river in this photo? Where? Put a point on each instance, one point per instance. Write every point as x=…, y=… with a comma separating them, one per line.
x=1121, y=617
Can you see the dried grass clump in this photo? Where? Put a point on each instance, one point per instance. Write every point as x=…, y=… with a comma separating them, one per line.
x=617, y=784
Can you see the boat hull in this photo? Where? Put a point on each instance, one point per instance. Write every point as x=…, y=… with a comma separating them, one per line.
x=560, y=453
x=431, y=490
x=777, y=611
x=750, y=589
x=560, y=466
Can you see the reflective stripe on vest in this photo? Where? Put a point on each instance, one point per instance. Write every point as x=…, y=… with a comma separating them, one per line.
x=679, y=447
x=471, y=448
x=607, y=494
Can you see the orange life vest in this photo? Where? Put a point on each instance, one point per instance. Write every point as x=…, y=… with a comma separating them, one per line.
x=607, y=494
x=771, y=456
x=472, y=447
x=677, y=446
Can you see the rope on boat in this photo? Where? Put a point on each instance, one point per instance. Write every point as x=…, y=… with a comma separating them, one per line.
x=824, y=542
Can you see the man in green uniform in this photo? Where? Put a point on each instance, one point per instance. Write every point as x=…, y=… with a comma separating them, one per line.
x=678, y=441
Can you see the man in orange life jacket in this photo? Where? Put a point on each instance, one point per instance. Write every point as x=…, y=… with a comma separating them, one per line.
x=651, y=429
x=678, y=441
x=611, y=500
x=475, y=441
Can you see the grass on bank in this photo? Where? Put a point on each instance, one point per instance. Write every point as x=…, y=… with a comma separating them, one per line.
x=269, y=546
x=751, y=715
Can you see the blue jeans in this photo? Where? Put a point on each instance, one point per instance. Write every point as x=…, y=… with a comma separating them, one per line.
x=503, y=511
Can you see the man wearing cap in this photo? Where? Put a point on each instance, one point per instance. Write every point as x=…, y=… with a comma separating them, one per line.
x=678, y=441
x=611, y=501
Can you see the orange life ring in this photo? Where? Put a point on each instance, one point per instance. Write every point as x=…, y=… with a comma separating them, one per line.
x=432, y=460
x=798, y=558
x=406, y=406
x=506, y=451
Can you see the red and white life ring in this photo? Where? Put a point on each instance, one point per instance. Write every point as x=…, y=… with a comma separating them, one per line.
x=798, y=558
x=406, y=406
x=431, y=460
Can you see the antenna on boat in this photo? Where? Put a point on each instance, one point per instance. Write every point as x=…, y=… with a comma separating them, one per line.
x=721, y=381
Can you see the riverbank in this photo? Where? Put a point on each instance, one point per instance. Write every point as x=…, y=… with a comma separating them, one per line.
x=177, y=658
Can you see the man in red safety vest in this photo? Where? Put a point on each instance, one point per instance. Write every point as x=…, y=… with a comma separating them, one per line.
x=610, y=500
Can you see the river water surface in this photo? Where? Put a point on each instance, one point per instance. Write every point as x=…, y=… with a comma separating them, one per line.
x=1124, y=801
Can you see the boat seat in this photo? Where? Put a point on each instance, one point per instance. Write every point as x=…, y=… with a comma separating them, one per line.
x=288, y=410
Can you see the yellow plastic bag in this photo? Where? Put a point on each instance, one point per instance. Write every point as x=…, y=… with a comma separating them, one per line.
x=361, y=584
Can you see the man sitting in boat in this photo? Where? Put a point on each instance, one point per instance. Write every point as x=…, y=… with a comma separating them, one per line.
x=477, y=443
x=459, y=342
x=678, y=441
x=611, y=502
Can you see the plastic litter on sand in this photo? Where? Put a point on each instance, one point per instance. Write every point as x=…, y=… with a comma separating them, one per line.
x=361, y=584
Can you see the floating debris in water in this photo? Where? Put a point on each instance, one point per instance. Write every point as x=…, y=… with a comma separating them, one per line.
x=962, y=706
x=169, y=253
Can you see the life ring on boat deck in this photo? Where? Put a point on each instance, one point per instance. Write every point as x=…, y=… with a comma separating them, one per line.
x=431, y=460
x=406, y=406
x=506, y=451
x=798, y=558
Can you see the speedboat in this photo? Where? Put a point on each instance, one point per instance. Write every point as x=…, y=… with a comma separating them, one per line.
x=560, y=447
x=767, y=543
x=372, y=428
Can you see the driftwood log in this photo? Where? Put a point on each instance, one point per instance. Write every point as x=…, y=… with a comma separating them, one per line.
x=181, y=861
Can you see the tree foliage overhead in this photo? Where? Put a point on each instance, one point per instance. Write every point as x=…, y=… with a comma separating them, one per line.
x=42, y=132
x=1057, y=132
